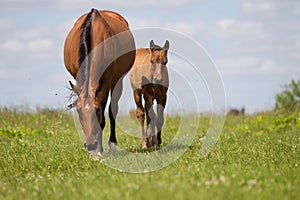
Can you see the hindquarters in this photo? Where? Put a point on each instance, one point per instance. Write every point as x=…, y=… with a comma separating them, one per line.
x=108, y=29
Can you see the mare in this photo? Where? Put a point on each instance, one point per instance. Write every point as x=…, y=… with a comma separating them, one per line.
x=149, y=80
x=98, y=51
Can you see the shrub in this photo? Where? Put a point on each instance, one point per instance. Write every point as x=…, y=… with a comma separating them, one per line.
x=289, y=97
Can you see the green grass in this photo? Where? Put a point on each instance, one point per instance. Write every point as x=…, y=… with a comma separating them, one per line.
x=256, y=157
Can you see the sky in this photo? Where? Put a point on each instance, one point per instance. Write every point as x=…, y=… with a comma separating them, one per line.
x=254, y=44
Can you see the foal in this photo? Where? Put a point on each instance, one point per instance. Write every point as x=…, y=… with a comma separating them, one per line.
x=149, y=80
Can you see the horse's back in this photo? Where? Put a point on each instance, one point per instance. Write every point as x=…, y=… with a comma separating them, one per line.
x=142, y=57
x=141, y=68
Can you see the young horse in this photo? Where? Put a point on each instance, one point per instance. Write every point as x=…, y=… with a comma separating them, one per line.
x=90, y=55
x=149, y=78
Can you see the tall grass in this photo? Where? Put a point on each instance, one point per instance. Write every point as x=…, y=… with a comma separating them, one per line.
x=256, y=157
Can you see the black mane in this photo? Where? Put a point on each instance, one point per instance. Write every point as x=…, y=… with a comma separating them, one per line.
x=84, y=50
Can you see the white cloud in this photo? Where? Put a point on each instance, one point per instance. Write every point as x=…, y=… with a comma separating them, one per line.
x=189, y=28
x=258, y=6
x=226, y=24
x=5, y=24
x=142, y=23
x=248, y=66
x=3, y=74
x=230, y=28
x=296, y=10
x=267, y=66
x=121, y=3
x=12, y=73
x=16, y=5
x=34, y=32
x=237, y=66
x=40, y=45
x=25, y=46
x=13, y=46
x=296, y=40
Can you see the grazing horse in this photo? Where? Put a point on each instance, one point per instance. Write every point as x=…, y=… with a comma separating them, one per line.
x=236, y=112
x=149, y=79
x=90, y=57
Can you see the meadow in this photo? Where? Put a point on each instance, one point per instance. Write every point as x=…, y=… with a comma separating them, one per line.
x=256, y=157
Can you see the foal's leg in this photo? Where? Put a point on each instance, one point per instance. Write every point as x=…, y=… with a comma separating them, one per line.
x=151, y=120
x=161, y=102
x=140, y=115
x=113, y=111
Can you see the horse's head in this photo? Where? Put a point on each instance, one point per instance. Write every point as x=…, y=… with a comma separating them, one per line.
x=158, y=60
x=86, y=106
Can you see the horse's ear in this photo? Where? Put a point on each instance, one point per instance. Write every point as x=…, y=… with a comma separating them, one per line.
x=152, y=44
x=167, y=45
x=74, y=87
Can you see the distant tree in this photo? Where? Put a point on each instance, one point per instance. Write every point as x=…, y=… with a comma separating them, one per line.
x=289, y=97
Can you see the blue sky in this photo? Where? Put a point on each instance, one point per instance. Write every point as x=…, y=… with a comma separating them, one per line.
x=254, y=43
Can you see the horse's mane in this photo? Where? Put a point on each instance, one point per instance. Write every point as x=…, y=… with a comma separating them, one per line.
x=84, y=50
x=85, y=46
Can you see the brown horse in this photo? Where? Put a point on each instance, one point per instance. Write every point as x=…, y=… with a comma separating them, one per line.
x=91, y=56
x=149, y=79
x=236, y=112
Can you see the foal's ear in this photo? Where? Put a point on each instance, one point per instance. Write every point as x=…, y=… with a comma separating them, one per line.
x=166, y=46
x=152, y=45
x=74, y=87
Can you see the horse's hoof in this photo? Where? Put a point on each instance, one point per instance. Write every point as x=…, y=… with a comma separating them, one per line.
x=112, y=148
x=90, y=147
x=95, y=155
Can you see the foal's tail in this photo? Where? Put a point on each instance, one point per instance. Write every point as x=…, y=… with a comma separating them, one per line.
x=85, y=49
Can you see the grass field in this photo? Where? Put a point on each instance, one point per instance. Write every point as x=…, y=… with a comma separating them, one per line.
x=256, y=157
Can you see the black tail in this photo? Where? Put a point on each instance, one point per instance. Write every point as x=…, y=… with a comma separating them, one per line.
x=84, y=50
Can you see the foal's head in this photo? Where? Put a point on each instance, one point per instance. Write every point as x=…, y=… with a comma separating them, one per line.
x=159, y=60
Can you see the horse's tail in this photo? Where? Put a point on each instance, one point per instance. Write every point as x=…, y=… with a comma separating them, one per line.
x=85, y=49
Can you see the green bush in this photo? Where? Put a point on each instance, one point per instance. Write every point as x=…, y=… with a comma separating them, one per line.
x=289, y=97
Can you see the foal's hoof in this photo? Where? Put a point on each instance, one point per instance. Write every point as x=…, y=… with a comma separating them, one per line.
x=144, y=144
x=94, y=155
x=157, y=147
x=112, y=148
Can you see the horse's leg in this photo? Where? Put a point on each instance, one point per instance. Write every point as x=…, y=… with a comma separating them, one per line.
x=113, y=111
x=151, y=120
x=140, y=114
x=161, y=103
x=102, y=96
